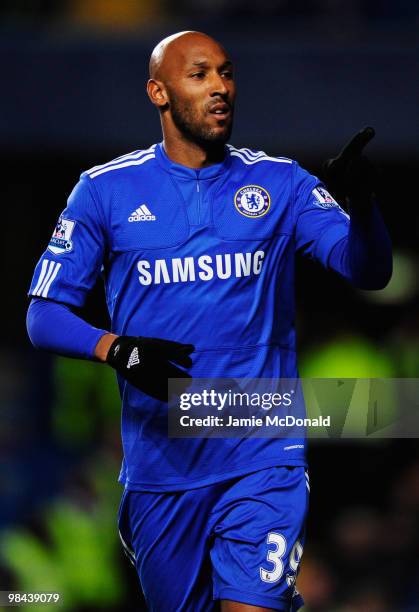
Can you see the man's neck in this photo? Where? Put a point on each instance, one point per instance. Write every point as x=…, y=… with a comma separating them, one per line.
x=193, y=155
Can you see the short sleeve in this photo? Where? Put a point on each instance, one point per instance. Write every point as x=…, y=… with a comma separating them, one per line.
x=69, y=267
x=319, y=220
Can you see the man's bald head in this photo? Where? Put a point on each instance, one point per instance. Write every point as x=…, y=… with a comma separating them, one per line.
x=171, y=49
x=192, y=85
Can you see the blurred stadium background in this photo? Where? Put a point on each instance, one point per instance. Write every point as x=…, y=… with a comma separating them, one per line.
x=310, y=73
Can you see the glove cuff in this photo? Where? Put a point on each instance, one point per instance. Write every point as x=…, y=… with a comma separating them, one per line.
x=113, y=355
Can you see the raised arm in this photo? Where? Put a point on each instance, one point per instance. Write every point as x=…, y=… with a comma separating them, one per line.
x=364, y=257
x=357, y=246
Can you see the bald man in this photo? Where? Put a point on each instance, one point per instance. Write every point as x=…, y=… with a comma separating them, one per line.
x=196, y=239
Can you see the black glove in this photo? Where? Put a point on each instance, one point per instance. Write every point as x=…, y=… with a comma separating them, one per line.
x=351, y=174
x=146, y=362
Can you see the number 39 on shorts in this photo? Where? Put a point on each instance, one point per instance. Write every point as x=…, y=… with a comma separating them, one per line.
x=276, y=557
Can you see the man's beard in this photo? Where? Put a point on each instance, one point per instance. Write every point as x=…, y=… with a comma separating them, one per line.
x=188, y=123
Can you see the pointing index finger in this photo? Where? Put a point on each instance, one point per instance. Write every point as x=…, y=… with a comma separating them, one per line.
x=357, y=143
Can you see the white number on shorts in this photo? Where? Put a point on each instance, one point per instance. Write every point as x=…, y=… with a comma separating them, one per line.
x=275, y=557
x=295, y=556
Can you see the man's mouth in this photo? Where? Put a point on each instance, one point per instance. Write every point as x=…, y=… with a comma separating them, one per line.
x=221, y=110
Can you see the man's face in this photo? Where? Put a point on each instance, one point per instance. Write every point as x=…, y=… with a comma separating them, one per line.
x=201, y=91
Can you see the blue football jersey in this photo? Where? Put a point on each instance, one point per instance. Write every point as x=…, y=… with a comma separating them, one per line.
x=197, y=256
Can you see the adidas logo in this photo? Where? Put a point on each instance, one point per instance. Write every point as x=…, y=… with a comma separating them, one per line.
x=141, y=214
x=133, y=358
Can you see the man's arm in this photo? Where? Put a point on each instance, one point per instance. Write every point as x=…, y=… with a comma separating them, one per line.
x=357, y=246
x=146, y=363
x=365, y=256
x=66, y=272
x=54, y=327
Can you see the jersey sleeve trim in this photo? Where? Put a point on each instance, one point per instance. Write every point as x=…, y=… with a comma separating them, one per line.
x=49, y=271
x=72, y=297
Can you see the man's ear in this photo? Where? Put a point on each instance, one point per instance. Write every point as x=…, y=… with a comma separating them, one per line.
x=157, y=93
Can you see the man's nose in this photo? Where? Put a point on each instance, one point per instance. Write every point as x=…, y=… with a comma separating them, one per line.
x=218, y=85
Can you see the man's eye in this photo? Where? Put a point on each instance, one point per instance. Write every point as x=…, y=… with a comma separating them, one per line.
x=198, y=75
x=227, y=74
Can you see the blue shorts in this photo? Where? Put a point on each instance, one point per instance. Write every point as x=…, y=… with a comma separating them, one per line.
x=241, y=540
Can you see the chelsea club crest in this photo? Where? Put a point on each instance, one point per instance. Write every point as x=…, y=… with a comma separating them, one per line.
x=252, y=201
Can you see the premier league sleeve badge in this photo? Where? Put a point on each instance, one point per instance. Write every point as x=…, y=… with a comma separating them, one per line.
x=61, y=238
